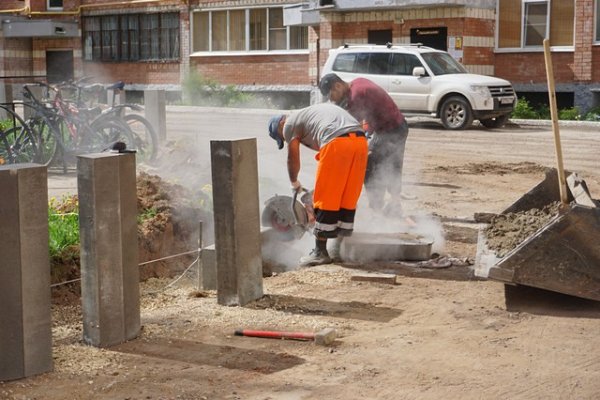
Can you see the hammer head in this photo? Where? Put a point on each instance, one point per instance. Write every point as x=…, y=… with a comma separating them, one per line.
x=325, y=337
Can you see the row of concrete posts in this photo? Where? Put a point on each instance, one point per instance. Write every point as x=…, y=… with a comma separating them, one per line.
x=109, y=256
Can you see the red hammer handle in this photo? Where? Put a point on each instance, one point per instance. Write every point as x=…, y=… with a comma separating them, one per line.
x=275, y=334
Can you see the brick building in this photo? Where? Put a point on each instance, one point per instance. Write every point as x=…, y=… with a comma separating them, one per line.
x=279, y=46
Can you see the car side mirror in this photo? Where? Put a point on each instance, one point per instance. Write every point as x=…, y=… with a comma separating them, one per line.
x=419, y=71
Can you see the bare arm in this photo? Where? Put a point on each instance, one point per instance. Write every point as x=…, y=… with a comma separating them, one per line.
x=293, y=161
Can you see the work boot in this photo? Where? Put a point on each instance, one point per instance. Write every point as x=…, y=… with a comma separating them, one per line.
x=335, y=251
x=316, y=257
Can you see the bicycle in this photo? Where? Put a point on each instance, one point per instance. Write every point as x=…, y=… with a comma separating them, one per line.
x=17, y=143
x=145, y=139
x=61, y=129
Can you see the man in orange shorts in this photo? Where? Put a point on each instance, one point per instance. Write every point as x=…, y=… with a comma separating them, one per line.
x=342, y=153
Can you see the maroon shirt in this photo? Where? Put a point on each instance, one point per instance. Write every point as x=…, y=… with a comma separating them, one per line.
x=368, y=101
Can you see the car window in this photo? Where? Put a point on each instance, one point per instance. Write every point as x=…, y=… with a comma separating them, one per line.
x=362, y=63
x=403, y=64
x=344, y=63
x=443, y=63
x=378, y=63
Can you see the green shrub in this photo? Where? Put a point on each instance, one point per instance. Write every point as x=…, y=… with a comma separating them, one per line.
x=202, y=91
x=63, y=225
x=592, y=115
x=543, y=112
x=569, y=114
x=523, y=110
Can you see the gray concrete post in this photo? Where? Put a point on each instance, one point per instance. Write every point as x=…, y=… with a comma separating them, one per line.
x=110, y=295
x=6, y=98
x=237, y=221
x=25, y=317
x=38, y=92
x=208, y=268
x=115, y=97
x=155, y=110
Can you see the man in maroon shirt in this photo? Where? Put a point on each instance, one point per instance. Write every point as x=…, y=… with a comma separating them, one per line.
x=387, y=131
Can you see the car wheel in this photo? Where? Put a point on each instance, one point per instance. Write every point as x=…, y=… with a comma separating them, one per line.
x=497, y=122
x=456, y=113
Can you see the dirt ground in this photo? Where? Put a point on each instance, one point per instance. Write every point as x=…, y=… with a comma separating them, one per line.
x=436, y=333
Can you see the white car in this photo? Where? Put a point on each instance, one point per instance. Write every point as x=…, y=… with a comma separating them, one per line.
x=422, y=80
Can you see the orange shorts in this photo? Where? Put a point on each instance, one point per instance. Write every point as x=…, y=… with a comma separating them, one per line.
x=339, y=180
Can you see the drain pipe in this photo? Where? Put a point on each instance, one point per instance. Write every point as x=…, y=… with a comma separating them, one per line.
x=16, y=10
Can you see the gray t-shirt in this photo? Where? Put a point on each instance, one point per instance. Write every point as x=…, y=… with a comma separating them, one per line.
x=319, y=124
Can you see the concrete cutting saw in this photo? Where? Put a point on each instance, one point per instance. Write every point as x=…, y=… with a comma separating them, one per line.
x=288, y=216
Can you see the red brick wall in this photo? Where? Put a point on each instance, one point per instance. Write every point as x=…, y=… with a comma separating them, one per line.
x=17, y=65
x=133, y=73
x=584, y=22
x=596, y=61
x=254, y=69
x=11, y=4
x=530, y=67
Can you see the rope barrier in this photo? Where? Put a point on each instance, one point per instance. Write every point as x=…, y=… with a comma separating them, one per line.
x=150, y=262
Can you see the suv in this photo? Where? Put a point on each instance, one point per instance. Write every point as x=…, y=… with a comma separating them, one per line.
x=422, y=80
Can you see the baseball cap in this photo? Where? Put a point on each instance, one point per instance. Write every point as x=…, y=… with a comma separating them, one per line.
x=273, y=127
x=327, y=82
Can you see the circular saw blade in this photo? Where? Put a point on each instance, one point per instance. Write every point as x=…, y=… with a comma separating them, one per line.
x=278, y=215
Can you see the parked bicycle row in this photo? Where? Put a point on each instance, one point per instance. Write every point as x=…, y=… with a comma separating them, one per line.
x=52, y=126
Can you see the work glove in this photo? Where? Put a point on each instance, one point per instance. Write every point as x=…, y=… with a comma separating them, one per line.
x=297, y=187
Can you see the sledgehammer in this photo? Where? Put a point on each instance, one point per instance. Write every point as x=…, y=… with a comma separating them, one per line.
x=324, y=337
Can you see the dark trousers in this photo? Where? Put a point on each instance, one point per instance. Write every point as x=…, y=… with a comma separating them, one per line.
x=384, y=166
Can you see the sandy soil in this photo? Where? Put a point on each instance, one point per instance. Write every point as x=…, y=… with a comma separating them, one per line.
x=436, y=333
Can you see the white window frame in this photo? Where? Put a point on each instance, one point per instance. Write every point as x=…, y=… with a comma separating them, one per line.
x=49, y=8
x=524, y=21
x=210, y=52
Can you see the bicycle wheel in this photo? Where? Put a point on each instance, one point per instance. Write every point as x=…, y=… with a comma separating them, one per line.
x=144, y=136
x=17, y=144
x=46, y=139
x=104, y=133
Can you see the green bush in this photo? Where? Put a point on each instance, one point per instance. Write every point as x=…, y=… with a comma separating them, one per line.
x=523, y=110
x=63, y=225
x=543, y=112
x=202, y=91
x=592, y=115
x=569, y=114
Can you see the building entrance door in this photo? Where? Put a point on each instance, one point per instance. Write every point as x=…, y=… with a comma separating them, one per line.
x=59, y=65
x=431, y=37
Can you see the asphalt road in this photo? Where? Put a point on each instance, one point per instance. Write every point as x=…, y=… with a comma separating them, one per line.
x=186, y=156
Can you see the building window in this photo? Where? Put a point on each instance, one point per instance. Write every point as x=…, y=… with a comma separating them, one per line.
x=54, y=4
x=131, y=37
x=526, y=23
x=535, y=23
x=246, y=30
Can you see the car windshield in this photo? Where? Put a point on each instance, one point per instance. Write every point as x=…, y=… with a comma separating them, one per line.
x=443, y=63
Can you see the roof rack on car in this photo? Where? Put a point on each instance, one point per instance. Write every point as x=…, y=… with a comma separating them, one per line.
x=388, y=45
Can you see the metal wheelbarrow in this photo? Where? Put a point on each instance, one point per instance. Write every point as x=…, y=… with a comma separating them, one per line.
x=563, y=255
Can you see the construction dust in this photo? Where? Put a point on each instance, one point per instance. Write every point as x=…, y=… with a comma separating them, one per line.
x=507, y=231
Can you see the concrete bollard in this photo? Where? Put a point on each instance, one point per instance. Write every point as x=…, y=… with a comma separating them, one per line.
x=25, y=316
x=6, y=98
x=155, y=110
x=237, y=221
x=208, y=268
x=115, y=97
x=109, y=253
